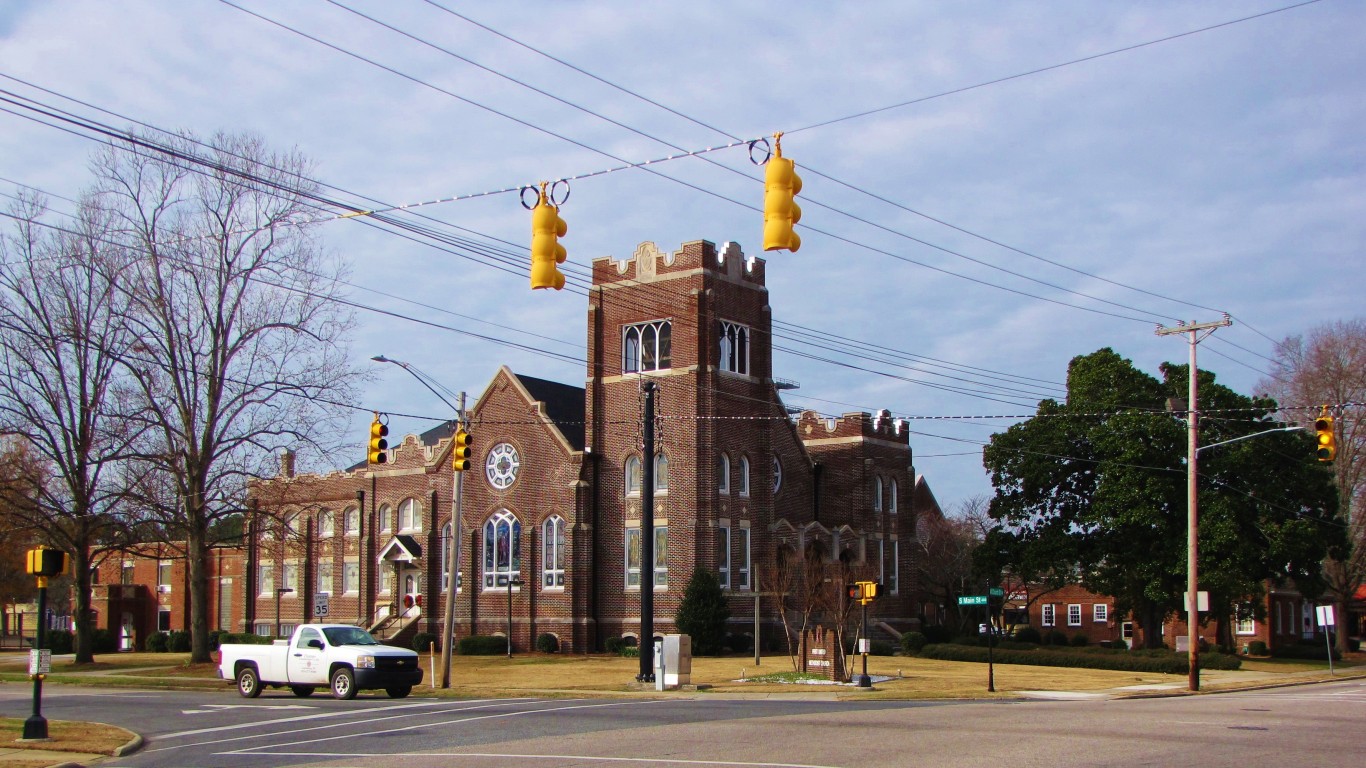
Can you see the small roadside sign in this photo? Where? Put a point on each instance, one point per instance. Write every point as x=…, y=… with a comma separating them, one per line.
x=320, y=605
x=996, y=592
x=972, y=599
x=1324, y=613
x=39, y=661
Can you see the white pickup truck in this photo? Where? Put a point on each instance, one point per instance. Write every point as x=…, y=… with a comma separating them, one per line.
x=342, y=657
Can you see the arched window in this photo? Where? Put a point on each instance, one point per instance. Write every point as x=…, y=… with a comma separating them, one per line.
x=734, y=347
x=445, y=555
x=661, y=473
x=386, y=522
x=891, y=498
x=743, y=479
x=502, y=549
x=723, y=473
x=326, y=523
x=552, y=552
x=877, y=494
x=646, y=346
x=409, y=516
x=633, y=476
x=351, y=521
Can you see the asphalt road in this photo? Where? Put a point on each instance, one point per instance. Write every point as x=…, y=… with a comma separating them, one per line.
x=1306, y=725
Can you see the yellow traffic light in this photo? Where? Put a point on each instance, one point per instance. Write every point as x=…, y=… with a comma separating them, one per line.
x=45, y=561
x=546, y=230
x=460, y=452
x=375, y=454
x=781, y=212
x=1327, y=442
x=855, y=591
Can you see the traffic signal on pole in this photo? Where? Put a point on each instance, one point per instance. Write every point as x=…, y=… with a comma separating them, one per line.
x=781, y=212
x=1327, y=443
x=855, y=591
x=375, y=453
x=546, y=230
x=460, y=452
x=45, y=561
x=871, y=591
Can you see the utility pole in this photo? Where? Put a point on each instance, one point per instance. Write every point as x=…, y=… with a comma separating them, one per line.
x=647, y=540
x=452, y=579
x=1193, y=331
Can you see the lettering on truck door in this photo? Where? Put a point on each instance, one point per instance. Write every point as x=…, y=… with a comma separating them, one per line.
x=306, y=658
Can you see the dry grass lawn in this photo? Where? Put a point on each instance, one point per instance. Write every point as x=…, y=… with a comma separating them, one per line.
x=65, y=736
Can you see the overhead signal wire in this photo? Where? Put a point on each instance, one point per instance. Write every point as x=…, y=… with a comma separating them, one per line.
x=810, y=200
x=808, y=167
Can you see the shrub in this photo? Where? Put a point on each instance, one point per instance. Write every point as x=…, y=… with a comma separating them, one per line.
x=547, y=643
x=243, y=638
x=1056, y=637
x=881, y=648
x=1306, y=652
x=936, y=633
x=103, y=641
x=1027, y=634
x=739, y=643
x=703, y=613
x=178, y=642
x=1080, y=640
x=913, y=642
x=613, y=644
x=1256, y=648
x=155, y=642
x=424, y=640
x=59, y=641
x=482, y=645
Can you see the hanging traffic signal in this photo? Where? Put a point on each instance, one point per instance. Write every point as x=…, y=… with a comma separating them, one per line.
x=375, y=454
x=546, y=230
x=781, y=212
x=460, y=453
x=1327, y=442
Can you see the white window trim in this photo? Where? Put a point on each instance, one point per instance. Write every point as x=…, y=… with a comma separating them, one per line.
x=1071, y=612
x=346, y=588
x=631, y=365
x=551, y=547
x=726, y=348
x=892, y=500
x=386, y=518
x=1100, y=612
x=723, y=567
x=414, y=513
x=634, y=477
x=1048, y=615
x=744, y=476
x=895, y=585
x=744, y=583
x=877, y=493
x=723, y=470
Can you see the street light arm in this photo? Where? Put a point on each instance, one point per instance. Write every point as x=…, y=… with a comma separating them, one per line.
x=421, y=379
x=1247, y=437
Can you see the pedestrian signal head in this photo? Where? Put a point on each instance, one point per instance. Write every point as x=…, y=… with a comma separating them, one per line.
x=376, y=451
x=1327, y=441
x=45, y=561
x=546, y=252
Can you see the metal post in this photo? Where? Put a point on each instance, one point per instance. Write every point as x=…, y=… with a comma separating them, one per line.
x=1192, y=496
x=991, y=659
x=864, y=680
x=452, y=576
x=35, y=727
x=647, y=540
x=756, y=628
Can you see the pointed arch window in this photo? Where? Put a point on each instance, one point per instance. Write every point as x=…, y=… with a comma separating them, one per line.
x=647, y=346
x=326, y=523
x=877, y=494
x=734, y=350
x=661, y=473
x=891, y=497
x=409, y=516
x=386, y=522
x=502, y=549
x=552, y=552
x=633, y=476
x=723, y=473
x=743, y=480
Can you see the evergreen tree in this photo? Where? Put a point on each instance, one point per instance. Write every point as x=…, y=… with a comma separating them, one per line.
x=703, y=613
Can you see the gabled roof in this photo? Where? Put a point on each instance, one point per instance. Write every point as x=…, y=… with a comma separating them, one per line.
x=403, y=547
x=564, y=405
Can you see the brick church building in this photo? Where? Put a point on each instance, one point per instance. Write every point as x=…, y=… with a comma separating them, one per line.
x=550, y=509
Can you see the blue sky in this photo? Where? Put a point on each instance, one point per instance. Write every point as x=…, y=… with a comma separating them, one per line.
x=1222, y=169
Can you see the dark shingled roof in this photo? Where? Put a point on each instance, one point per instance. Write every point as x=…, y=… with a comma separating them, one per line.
x=564, y=404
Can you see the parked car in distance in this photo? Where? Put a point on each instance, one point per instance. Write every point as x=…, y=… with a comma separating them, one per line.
x=342, y=657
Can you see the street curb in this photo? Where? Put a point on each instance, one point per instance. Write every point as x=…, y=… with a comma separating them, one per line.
x=1235, y=688
x=133, y=745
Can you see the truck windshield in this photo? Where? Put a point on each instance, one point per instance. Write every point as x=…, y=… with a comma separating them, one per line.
x=348, y=636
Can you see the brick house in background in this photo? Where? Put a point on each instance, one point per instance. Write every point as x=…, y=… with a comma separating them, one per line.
x=553, y=499
x=145, y=590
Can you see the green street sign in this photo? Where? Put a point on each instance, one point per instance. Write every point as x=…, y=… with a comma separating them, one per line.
x=996, y=592
x=972, y=599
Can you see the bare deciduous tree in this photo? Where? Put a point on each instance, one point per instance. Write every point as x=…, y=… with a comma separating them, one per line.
x=241, y=335
x=1328, y=367
x=63, y=330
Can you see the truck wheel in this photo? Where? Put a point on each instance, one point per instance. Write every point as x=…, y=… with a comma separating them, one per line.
x=344, y=684
x=248, y=682
x=302, y=691
x=399, y=691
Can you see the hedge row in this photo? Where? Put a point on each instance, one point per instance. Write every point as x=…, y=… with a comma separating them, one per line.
x=1168, y=662
x=482, y=645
